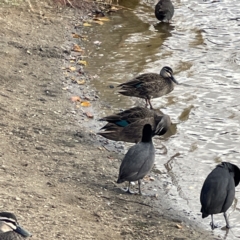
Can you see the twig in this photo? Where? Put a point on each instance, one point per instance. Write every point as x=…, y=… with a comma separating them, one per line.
x=69, y=3
x=141, y=203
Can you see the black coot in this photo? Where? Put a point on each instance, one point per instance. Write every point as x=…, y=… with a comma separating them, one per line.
x=218, y=190
x=164, y=10
x=139, y=159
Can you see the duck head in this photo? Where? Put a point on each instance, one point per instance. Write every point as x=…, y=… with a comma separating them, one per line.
x=8, y=222
x=167, y=72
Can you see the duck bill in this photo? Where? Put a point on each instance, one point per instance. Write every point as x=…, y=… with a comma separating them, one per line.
x=23, y=232
x=174, y=80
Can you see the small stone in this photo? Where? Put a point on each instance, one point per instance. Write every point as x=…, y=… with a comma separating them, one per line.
x=89, y=115
x=151, y=179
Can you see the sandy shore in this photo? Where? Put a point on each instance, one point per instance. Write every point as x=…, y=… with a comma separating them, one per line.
x=55, y=174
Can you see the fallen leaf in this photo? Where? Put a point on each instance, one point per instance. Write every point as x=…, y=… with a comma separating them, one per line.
x=75, y=35
x=99, y=22
x=76, y=48
x=72, y=69
x=85, y=104
x=102, y=19
x=82, y=62
x=89, y=115
x=178, y=226
x=72, y=61
x=75, y=99
x=80, y=82
x=114, y=9
x=87, y=24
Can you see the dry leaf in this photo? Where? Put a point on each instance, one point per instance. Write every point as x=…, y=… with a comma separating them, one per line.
x=80, y=82
x=75, y=99
x=87, y=24
x=102, y=19
x=74, y=35
x=76, y=48
x=178, y=226
x=72, y=61
x=89, y=115
x=85, y=104
x=99, y=22
x=81, y=62
x=72, y=69
x=114, y=9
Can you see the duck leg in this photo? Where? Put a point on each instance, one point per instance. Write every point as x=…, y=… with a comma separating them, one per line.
x=146, y=102
x=150, y=104
x=139, y=187
x=226, y=219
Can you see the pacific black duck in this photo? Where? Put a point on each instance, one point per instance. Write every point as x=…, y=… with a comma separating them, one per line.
x=127, y=125
x=150, y=85
x=10, y=229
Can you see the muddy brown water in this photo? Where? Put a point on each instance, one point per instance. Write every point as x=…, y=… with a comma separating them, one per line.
x=202, y=45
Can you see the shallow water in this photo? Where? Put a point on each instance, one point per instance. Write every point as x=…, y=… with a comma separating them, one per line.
x=202, y=45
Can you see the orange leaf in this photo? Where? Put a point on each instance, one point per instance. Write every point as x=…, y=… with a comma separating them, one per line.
x=76, y=48
x=74, y=35
x=72, y=69
x=75, y=99
x=85, y=104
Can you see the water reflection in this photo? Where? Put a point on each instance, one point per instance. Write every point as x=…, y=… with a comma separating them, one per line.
x=202, y=46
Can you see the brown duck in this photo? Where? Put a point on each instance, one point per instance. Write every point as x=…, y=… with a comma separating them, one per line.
x=10, y=229
x=149, y=85
x=127, y=125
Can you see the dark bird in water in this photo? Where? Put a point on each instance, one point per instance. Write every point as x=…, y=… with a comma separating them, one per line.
x=149, y=85
x=139, y=160
x=164, y=10
x=10, y=229
x=127, y=125
x=218, y=191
